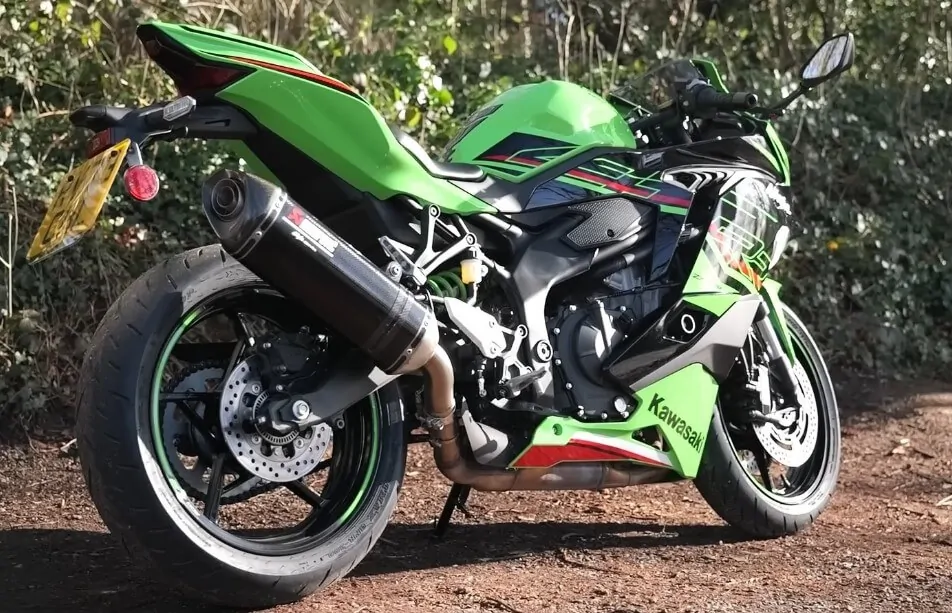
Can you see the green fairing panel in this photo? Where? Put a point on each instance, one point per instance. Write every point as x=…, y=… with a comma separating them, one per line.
x=215, y=44
x=555, y=110
x=680, y=405
x=711, y=73
x=717, y=304
x=340, y=131
x=711, y=271
x=780, y=152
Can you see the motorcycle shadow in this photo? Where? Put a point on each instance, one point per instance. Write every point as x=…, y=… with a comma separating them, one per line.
x=88, y=572
x=412, y=547
x=78, y=571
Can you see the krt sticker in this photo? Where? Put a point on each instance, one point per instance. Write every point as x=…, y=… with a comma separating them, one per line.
x=664, y=413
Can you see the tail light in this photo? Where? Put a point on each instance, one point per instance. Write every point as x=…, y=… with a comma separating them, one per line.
x=191, y=77
x=206, y=78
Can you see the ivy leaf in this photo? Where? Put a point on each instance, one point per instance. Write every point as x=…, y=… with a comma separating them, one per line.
x=414, y=117
x=450, y=44
x=63, y=10
x=444, y=96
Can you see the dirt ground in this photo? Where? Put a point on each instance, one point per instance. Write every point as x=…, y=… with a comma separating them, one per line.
x=883, y=545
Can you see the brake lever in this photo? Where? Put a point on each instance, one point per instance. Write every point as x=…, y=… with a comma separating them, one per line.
x=767, y=112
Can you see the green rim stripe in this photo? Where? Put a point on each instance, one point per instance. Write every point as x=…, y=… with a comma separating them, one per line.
x=157, y=442
x=372, y=469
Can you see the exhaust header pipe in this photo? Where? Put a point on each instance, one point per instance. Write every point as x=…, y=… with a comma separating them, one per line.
x=290, y=249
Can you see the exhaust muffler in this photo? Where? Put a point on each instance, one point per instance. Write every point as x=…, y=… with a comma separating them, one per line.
x=290, y=249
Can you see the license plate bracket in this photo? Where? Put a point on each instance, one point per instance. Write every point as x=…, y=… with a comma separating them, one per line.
x=77, y=203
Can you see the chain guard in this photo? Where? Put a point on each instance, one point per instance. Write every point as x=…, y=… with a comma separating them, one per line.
x=176, y=427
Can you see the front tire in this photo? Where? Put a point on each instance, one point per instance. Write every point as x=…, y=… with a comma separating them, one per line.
x=743, y=502
x=130, y=485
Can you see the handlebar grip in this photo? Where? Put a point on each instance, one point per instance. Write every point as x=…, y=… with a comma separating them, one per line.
x=710, y=98
x=645, y=123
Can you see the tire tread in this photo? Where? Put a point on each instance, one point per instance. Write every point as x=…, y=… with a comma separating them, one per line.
x=115, y=476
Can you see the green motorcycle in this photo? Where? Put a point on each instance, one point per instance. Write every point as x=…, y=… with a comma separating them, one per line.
x=576, y=295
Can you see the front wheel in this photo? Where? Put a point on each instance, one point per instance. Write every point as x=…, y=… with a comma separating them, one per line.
x=743, y=475
x=237, y=512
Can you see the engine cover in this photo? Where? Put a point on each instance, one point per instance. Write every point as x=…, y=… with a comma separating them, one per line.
x=584, y=336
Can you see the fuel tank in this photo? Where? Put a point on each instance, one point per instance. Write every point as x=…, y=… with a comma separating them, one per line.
x=531, y=124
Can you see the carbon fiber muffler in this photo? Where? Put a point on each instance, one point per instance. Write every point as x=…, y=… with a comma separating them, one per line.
x=260, y=226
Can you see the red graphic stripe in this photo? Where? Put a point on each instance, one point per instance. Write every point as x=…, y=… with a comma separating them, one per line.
x=618, y=187
x=626, y=453
x=544, y=456
x=518, y=160
x=310, y=76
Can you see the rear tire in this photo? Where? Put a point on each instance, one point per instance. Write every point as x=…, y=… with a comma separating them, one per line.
x=133, y=494
x=743, y=503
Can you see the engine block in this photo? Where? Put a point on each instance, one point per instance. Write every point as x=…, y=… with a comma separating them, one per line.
x=584, y=335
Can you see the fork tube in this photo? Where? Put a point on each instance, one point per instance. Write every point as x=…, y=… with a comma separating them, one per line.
x=779, y=363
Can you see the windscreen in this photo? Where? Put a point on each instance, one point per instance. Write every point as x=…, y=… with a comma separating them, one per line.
x=655, y=89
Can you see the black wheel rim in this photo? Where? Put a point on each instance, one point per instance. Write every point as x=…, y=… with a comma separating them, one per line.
x=351, y=467
x=801, y=483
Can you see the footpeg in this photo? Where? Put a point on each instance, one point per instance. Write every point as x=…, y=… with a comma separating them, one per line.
x=514, y=386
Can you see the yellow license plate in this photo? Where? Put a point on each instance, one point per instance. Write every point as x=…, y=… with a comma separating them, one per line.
x=77, y=203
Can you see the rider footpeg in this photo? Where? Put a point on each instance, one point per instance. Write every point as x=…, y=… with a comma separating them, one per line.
x=514, y=386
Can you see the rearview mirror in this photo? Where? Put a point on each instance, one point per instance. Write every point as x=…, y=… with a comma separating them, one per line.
x=833, y=57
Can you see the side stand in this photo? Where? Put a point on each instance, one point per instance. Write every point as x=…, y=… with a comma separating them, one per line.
x=457, y=498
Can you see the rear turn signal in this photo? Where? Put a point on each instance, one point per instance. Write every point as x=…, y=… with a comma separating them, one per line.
x=142, y=182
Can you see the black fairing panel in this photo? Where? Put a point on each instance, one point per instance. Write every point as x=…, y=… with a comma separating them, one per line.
x=684, y=335
x=562, y=243
x=657, y=342
x=517, y=185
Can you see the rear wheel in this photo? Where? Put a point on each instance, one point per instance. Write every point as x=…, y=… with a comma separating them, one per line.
x=764, y=479
x=214, y=491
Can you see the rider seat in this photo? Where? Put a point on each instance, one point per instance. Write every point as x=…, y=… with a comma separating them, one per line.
x=441, y=170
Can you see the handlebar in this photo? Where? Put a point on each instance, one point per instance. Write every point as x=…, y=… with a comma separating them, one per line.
x=700, y=100
x=708, y=98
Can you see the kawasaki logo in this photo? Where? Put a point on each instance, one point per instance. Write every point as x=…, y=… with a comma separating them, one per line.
x=660, y=409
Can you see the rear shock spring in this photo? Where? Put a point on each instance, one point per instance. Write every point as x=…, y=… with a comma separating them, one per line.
x=447, y=284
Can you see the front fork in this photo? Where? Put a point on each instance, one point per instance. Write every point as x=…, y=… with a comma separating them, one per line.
x=772, y=326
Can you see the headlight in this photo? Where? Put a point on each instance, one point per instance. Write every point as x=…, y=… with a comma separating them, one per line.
x=779, y=245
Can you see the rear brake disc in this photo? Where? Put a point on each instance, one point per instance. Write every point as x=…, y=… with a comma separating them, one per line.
x=180, y=438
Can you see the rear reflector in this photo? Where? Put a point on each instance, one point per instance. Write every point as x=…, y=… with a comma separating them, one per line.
x=142, y=182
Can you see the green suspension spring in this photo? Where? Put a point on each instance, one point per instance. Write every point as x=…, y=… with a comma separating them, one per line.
x=447, y=284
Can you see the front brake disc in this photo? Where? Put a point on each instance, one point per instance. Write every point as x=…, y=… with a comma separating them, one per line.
x=793, y=446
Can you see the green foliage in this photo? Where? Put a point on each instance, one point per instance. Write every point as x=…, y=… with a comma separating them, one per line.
x=868, y=152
